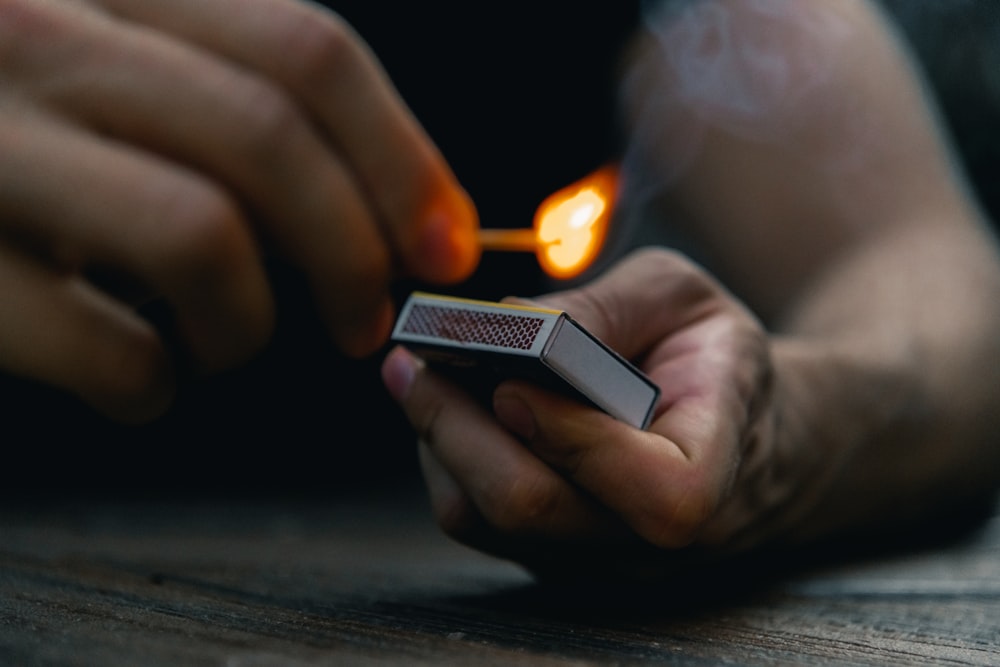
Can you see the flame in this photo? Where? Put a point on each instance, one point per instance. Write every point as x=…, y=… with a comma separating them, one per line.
x=571, y=224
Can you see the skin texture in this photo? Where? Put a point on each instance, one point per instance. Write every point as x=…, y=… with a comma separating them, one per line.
x=166, y=151
x=824, y=381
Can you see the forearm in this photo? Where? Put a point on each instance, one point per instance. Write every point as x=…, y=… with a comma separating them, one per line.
x=837, y=214
x=887, y=381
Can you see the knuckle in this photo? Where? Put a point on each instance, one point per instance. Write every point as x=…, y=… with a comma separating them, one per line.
x=268, y=120
x=659, y=254
x=202, y=256
x=662, y=262
x=24, y=24
x=660, y=259
x=201, y=231
x=693, y=283
x=317, y=48
x=599, y=307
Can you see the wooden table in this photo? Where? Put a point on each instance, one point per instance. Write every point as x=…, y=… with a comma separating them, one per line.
x=367, y=579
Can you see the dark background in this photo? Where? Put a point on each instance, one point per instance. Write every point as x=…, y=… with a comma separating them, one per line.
x=521, y=100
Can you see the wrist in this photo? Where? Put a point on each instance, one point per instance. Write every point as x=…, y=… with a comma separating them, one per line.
x=844, y=421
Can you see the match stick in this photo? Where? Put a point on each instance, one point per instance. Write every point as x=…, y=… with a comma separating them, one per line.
x=512, y=240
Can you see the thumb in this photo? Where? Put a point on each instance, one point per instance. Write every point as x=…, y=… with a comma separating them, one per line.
x=646, y=296
x=639, y=476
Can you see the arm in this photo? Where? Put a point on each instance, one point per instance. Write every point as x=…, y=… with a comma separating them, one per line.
x=853, y=235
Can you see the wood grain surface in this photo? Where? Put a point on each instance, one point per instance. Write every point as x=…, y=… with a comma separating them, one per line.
x=369, y=580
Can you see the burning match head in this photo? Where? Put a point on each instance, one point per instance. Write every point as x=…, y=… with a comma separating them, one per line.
x=569, y=229
x=571, y=224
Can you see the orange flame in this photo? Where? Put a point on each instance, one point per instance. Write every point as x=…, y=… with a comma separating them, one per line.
x=569, y=227
x=572, y=223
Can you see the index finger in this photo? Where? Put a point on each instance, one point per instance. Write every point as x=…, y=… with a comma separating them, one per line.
x=517, y=494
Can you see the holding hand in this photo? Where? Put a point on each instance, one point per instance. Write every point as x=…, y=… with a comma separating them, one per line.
x=548, y=471
x=163, y=149
x=860, y=410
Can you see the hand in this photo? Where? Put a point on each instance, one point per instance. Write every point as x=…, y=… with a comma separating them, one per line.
x=170, y=146
x=864, y=412
x=551, y=483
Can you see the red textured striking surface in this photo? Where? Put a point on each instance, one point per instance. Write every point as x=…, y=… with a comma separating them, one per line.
x=505, y=330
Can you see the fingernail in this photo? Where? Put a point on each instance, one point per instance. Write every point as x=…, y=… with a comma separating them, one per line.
x=398, y=371
x=515, y=415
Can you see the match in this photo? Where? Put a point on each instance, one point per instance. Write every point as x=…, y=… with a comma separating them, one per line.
x=511, y=240
x=569, y=226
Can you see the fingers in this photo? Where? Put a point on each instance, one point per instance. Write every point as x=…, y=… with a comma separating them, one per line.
x=59, y=330
x=670, y=484
x=538, y=473
x=83, y=202
x=167, y=141
x=148, y=89
x=475, y=468
x=316, y=59
x=642, y=476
